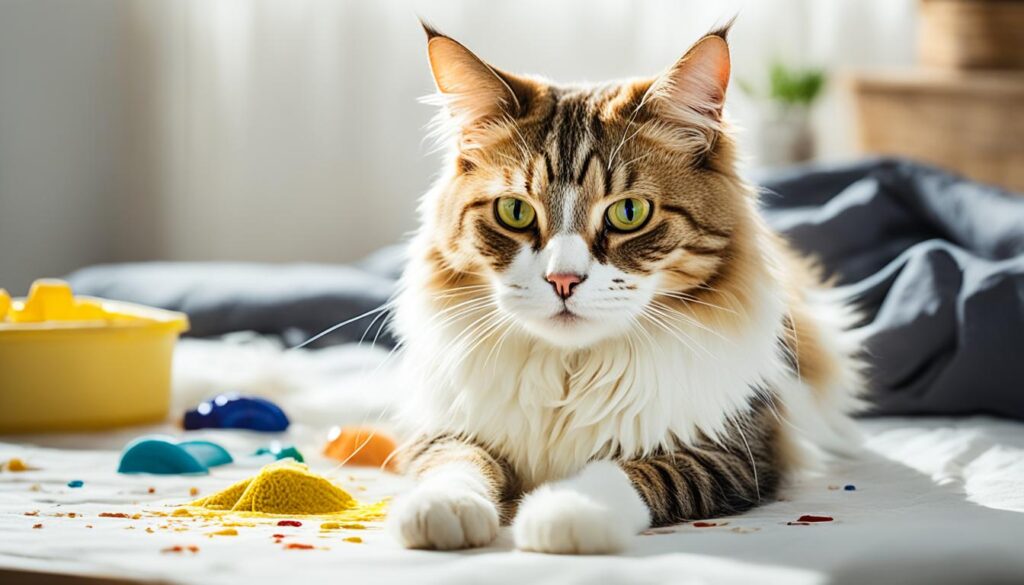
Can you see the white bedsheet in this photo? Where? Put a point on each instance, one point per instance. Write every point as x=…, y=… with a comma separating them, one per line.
x=936, y=501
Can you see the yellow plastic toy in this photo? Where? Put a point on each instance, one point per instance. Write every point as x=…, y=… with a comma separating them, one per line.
x=82, y=363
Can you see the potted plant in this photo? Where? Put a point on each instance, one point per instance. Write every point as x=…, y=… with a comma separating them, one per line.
x=785, y=135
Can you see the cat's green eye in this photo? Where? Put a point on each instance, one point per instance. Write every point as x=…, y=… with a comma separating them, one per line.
x=627, y=215
x=514, y=213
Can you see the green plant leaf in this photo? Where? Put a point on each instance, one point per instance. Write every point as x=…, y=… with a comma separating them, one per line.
x=793, y=86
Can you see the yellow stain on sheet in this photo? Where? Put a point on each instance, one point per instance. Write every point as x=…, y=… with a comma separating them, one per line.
x=342, y=526
x=225, y=532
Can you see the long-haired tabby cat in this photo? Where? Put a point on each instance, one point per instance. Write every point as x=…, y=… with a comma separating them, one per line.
x=601, y=332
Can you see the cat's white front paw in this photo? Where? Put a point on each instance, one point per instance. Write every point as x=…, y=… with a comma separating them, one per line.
x=560, y=520
x=443, y=518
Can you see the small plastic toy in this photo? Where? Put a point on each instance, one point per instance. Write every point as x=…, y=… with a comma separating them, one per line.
x=5, y=303
x=15, y=464
x=361, y=446
x=280, y=451
x=165, y=456
x=231, y=411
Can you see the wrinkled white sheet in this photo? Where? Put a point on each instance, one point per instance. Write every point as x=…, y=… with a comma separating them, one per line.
x=936, y=501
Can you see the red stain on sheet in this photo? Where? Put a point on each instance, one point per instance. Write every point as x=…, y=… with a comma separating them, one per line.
x=298, y=546
x=179, y=548
x=813, y=518
x=289, y=523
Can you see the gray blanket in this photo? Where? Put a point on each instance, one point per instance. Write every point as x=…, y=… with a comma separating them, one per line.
x=293, y=301
x=937, y=265
x=935, y=262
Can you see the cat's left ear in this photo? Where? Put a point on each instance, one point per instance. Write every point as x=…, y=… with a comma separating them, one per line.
x=692, y=92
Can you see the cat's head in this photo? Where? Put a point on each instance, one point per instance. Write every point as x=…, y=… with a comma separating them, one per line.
x=581, y=211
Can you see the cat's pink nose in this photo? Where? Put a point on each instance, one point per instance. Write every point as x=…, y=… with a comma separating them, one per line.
x=564, y=283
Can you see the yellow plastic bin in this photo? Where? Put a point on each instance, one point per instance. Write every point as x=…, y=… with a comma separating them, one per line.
x=80, y=363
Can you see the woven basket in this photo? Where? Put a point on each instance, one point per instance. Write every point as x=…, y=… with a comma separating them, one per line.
x=972, y=34
x=968, y=122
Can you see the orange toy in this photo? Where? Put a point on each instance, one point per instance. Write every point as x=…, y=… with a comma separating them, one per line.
x=361, y=446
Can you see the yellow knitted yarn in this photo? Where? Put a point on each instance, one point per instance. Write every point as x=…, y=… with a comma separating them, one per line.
x=288, y=488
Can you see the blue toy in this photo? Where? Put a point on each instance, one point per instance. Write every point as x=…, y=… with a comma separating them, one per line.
x=231, y=411
x=164, y=455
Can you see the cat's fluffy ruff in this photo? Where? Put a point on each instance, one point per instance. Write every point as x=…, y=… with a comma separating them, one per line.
x=550, y=409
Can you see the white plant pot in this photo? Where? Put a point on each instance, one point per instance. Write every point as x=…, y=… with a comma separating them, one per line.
x=785, y=136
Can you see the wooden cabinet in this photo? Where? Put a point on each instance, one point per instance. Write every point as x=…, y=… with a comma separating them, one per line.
x=972, y=34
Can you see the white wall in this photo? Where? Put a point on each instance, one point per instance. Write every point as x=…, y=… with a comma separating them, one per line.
x=287, y=130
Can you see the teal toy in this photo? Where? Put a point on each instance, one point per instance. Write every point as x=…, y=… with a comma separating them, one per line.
x=280, y=452
x=166, y=456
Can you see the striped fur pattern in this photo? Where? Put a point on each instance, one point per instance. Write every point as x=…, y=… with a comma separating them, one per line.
x=428, y=454
x=709, y=478
x=696, y=363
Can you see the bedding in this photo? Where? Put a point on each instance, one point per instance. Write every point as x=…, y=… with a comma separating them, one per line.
x=934, y=500
x=293, y=301
x=935, y=263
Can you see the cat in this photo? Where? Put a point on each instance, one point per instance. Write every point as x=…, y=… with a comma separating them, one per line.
x=600, y=332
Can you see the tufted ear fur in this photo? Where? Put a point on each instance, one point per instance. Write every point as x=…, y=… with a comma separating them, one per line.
x=473, y=92
x=691, y=94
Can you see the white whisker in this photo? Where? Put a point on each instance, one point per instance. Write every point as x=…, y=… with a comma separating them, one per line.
x=334, y=328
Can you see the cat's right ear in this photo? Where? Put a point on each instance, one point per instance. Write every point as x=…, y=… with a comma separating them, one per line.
x=471, y=90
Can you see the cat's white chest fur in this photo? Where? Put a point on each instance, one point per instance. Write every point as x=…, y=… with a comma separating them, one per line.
x=550, y=410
